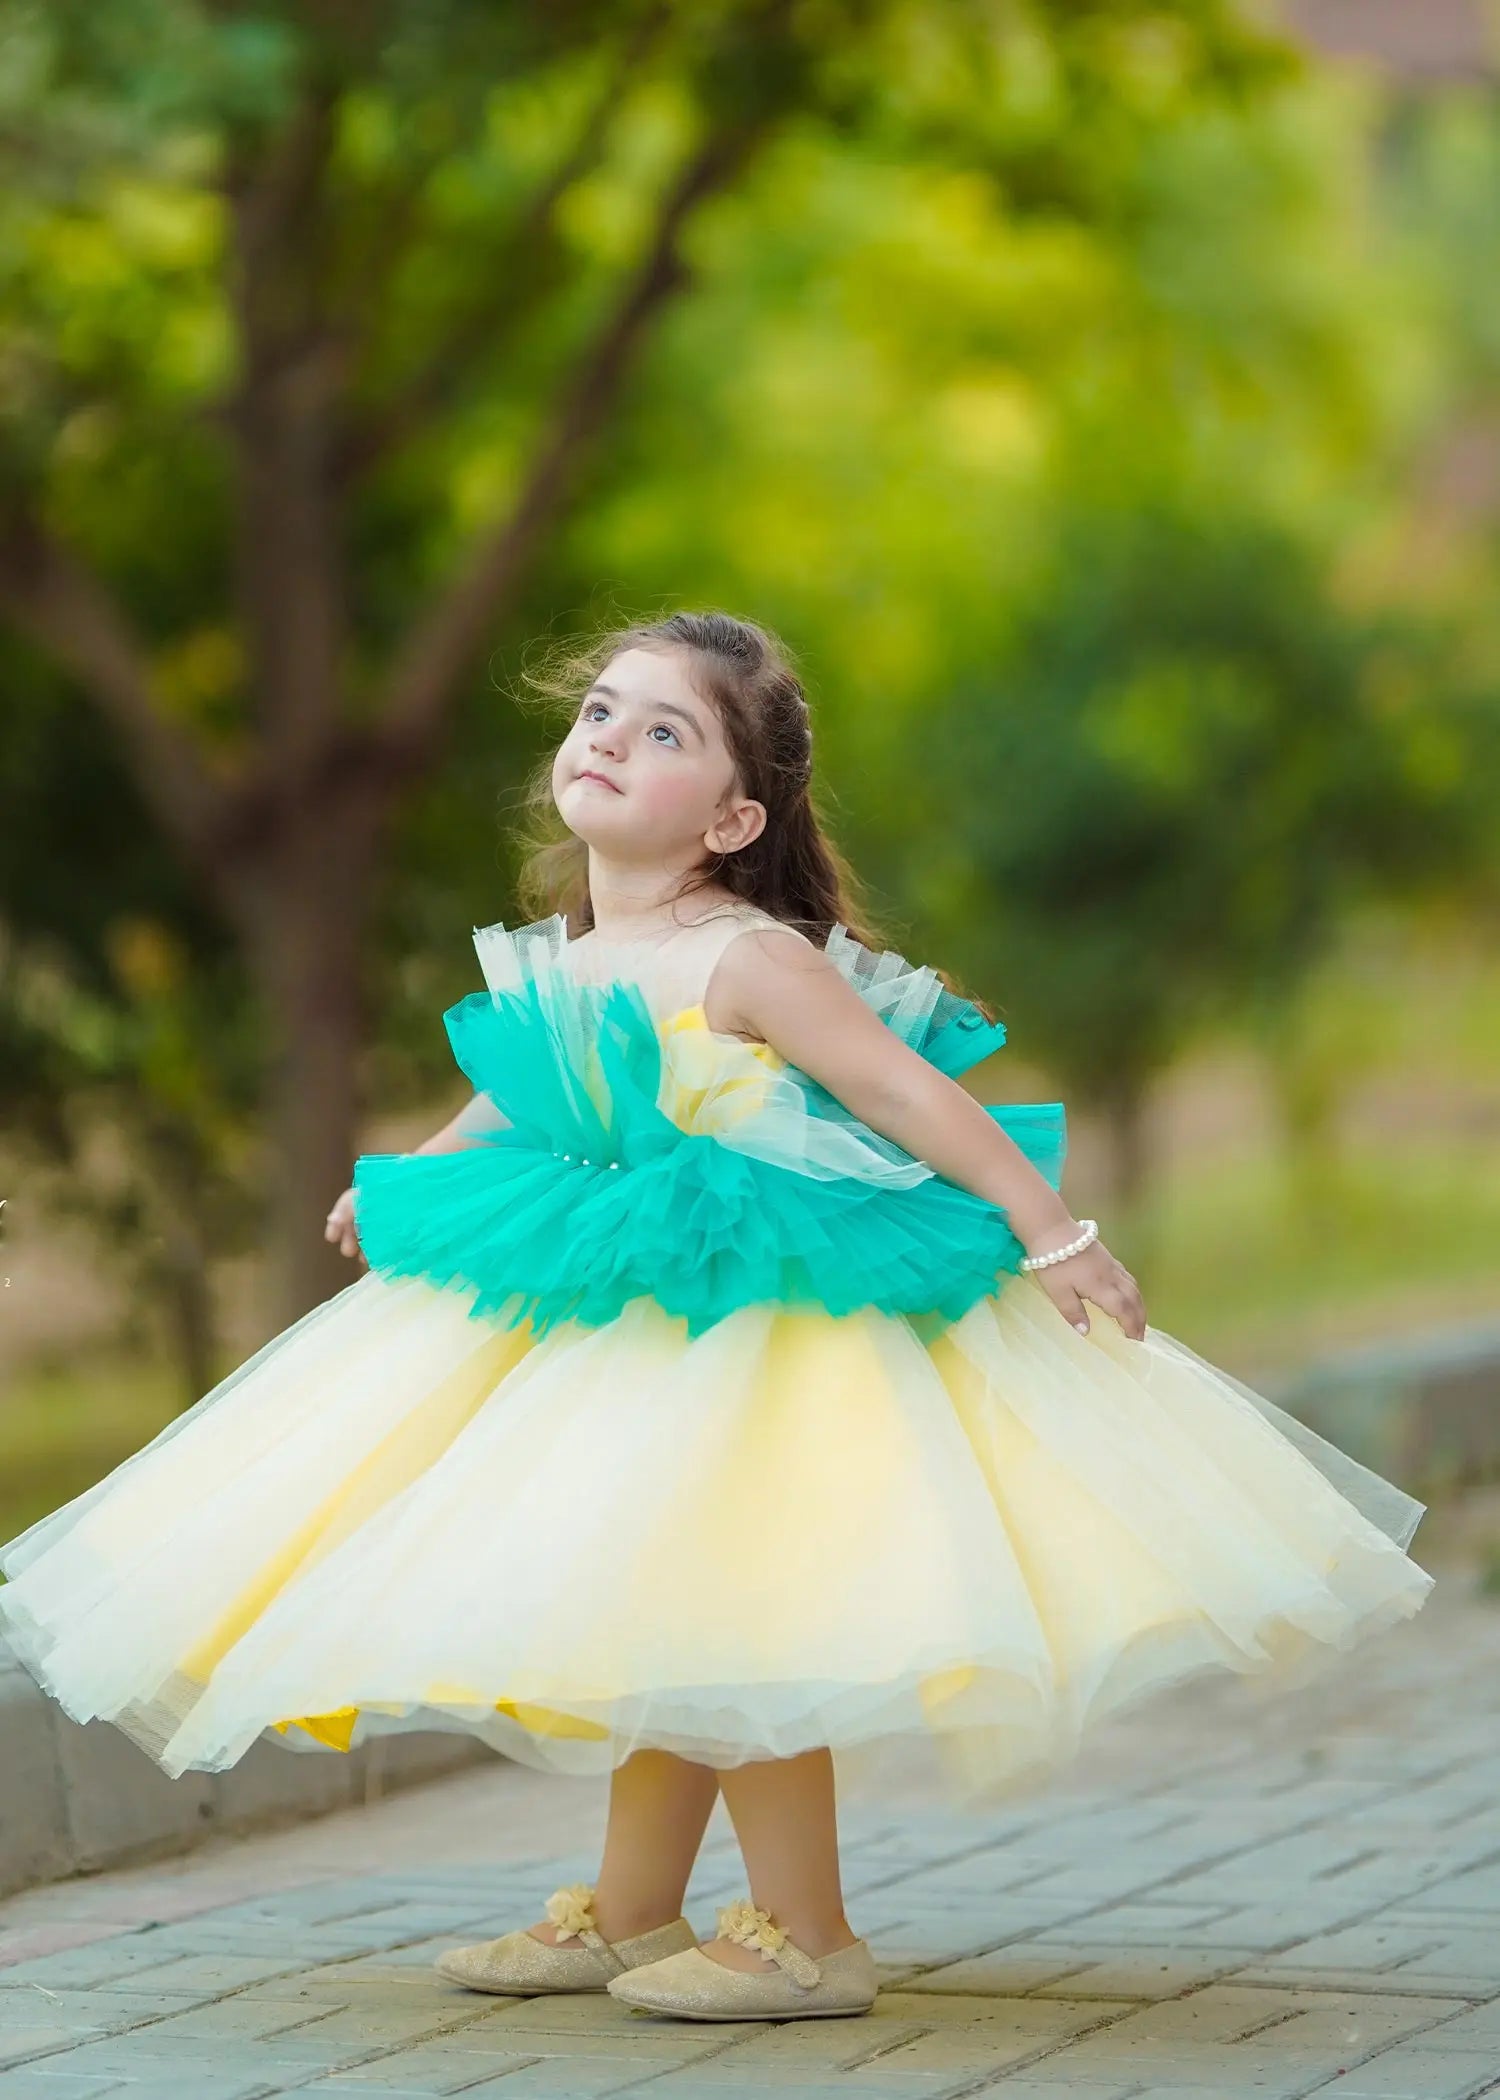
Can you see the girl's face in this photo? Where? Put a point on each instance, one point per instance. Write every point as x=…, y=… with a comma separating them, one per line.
x=644, y=774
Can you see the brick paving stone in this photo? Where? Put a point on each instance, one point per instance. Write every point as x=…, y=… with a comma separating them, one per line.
x=1029, y=2088
x=85, y=2013
x=75, y=2012
x=1266, y=2089
x=1407, y=1959
x=1041, y=2084
x=726, y=2075
x=729, y=2074
x=1478, y=2028
x=104, y=1964
x=413, y=2072
x=1350, y=2023
x=417, y=2076
x=276, y=2059
x=37, y=2037
x=30, y=1943
x=158, y=2084
x=1011, y=1972
x=1414, y=2072
x=33, y=2085
x=1250, y=2078
x=573, y=2079
x=202, y=1975
x=1147, y=1973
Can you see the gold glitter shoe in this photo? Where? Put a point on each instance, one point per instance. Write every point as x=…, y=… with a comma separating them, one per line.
x=519, y=1964
x=693, y=1986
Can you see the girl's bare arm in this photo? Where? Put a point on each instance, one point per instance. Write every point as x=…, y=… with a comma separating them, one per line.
x=774, y=985
x=475, y=1115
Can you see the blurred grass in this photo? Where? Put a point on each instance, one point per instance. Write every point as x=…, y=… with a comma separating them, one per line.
x=1399, y=1242
x=66, y=1425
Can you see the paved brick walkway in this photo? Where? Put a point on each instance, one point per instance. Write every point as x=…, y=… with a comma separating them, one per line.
x=1223, y=1898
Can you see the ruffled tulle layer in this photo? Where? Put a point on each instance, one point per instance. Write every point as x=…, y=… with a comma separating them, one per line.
x=627, y=1153
x=703, y=1229
x=788, y=1531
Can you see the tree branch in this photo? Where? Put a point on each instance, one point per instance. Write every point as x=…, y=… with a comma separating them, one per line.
x=281, y=188
x=483, y=328
x=447, y=636
x=68, y=612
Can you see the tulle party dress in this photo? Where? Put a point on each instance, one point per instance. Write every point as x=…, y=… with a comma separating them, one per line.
x=681, y=1408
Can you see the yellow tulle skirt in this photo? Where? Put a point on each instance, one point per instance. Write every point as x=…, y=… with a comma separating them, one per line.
x=791, y=1531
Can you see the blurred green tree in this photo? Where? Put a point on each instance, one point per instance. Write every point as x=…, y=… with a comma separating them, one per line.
x=317, y=322
x=1169, y=789
x=128, y=1074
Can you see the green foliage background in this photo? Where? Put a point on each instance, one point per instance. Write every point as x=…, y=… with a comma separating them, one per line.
x=1096, y=399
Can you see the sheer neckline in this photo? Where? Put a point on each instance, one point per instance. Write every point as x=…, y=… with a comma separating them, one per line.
x=732, y=910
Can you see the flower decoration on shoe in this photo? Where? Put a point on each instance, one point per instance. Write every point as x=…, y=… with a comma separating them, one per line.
x=752, y=1927
x=571, y=1910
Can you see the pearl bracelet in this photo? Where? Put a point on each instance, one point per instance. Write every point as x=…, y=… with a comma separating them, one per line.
x=1085, y=1239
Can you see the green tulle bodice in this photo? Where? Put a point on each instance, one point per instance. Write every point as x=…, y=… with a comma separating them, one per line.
x=619, y=1151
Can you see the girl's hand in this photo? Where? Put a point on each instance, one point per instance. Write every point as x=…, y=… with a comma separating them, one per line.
x=1094, y=1274
x=340, y=1228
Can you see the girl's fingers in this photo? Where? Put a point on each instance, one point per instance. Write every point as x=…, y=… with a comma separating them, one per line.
x=1104, y=1282
x=340, y=1227
x=1132, y=1317
x=1123, y=1303
x=1069, y=1304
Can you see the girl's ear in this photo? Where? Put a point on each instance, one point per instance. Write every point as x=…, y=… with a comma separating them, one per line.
x=746, y=821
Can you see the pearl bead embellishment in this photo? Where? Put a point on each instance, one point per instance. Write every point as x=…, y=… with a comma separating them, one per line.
x=585, y=1161
x=1086, y=1238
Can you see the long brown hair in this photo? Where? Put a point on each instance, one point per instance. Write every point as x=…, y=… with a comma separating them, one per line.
x=793, y=869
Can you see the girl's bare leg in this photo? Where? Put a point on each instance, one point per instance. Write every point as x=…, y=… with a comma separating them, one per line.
x=659, y=1806
x=784, y=1816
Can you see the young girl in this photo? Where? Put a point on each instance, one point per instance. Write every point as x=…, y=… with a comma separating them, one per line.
x=720, y=1402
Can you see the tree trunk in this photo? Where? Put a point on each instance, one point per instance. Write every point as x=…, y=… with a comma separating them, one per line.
x=190, y=1313
x=1127, y=1234
x=287, y=844
x=306, y=940
x=1305, y=1079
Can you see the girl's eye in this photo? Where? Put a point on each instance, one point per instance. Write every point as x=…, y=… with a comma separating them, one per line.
x=586, y=713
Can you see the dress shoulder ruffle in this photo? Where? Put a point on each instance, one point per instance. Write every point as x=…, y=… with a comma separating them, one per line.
x=911, y=998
